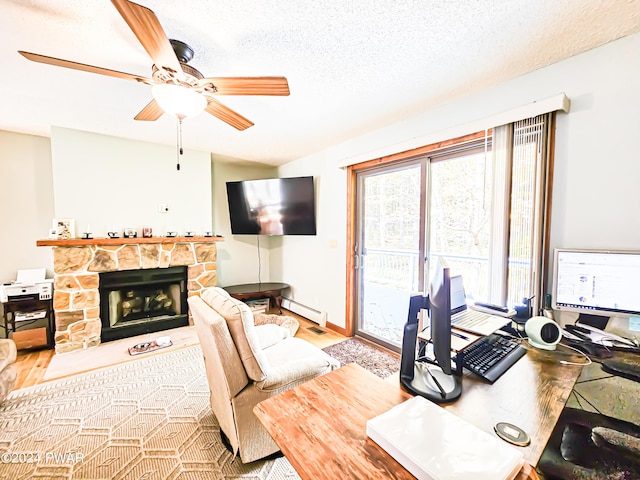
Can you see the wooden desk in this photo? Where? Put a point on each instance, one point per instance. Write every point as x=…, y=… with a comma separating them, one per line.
x=259, y=290
x=320, y=425
x=531, y=394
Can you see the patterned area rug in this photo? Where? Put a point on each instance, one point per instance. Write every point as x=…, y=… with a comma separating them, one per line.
x=146, y=419
x=355, y=350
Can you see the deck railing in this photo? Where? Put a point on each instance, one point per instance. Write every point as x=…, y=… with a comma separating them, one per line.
x=399, y=269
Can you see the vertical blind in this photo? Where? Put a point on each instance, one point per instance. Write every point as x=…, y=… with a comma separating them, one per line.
x=528, y=199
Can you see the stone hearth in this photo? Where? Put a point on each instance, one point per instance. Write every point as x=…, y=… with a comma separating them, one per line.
x=78, y=263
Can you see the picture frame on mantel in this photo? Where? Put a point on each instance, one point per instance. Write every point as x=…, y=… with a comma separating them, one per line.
x=64, y=227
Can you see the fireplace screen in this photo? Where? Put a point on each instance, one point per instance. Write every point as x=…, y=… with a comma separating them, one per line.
x=133, y=302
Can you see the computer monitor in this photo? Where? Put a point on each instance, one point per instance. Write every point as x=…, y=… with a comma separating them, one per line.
x=440, y=315
x=597, y=284
x=431, y=378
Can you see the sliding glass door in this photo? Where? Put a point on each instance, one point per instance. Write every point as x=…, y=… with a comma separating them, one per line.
x=481, y=203
x=388, y=249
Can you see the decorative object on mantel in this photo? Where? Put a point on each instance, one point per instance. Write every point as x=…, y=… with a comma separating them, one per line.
x=130, y=233
x=78, y=242
x=208, y=234
x=87, y=233
x=53, y=234
x=64, y=228
x=147, y=232
x=189, y=234
x=113, y=234
x=171, y=234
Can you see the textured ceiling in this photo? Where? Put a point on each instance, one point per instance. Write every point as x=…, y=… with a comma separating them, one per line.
x=352, y=66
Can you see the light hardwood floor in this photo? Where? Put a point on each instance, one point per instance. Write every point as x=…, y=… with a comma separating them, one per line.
x=32, y=365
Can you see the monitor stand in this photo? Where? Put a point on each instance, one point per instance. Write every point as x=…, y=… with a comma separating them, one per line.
x=431, y=382
x=420, y=377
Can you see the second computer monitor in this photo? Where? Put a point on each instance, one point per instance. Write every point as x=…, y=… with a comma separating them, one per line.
x=440, y=315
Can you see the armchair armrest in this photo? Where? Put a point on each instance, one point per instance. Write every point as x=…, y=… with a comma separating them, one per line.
x=293, y=373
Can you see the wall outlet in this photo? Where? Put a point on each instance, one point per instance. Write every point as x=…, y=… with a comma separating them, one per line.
x=163, y=208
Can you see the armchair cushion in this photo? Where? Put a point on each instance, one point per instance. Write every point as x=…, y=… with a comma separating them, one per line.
x=241, y=326
x=8, y=374
x=269, y=334
x=294, y=361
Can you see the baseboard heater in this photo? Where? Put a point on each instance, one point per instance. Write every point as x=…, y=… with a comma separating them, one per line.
x=304, y=311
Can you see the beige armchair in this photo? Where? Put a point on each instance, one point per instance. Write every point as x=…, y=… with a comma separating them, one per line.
x=8, y=373
x=247, y=363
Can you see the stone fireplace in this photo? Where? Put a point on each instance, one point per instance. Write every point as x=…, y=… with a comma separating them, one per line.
x=78, y=263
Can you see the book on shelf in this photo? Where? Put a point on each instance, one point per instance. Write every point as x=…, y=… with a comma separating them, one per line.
x=434, y=444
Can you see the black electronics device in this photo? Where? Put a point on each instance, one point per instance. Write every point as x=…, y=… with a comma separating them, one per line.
x=433, y=379
x=597, y=284
x=274, y=206
x=491, y=306
x=491, y=356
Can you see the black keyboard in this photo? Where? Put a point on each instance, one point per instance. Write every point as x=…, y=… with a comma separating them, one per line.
x=492, y=355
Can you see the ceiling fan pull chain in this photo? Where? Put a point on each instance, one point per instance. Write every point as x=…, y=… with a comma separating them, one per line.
x=179, y=143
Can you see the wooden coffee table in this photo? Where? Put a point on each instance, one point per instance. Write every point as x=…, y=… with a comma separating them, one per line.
x=249, y=291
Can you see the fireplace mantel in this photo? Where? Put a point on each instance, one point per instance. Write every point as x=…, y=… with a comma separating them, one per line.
x=77, y=264
x=81, y=242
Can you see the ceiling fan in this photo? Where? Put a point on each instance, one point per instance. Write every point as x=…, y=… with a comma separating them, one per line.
x=177, y=87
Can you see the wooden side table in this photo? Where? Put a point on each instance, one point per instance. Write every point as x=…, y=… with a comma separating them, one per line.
x=250, y=291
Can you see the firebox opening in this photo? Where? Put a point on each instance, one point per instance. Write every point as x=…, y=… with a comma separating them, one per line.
x=134, y=302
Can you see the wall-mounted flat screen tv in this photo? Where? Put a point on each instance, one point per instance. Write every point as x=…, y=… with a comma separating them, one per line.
x=274, y=206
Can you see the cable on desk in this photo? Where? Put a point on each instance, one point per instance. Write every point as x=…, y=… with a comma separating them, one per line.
x=565, y=362
x=520, y=338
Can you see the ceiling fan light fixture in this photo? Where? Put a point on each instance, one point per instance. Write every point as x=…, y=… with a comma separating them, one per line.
x=179, y=101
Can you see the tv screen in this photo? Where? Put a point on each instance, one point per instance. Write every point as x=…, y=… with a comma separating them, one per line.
x=274, y=206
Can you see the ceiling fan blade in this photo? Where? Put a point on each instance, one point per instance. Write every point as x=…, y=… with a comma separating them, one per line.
x=58, y=62
x=248, y=85
x=227, y=115
x=151, y=112
x=146, y=26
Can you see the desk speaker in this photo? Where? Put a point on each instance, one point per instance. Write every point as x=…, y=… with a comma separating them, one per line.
x=543, y=333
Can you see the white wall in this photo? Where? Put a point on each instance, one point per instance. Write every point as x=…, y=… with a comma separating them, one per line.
x=314, y=266
x=597, y=155
x=26, y=203
x=115, y=182
x=238, y=255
